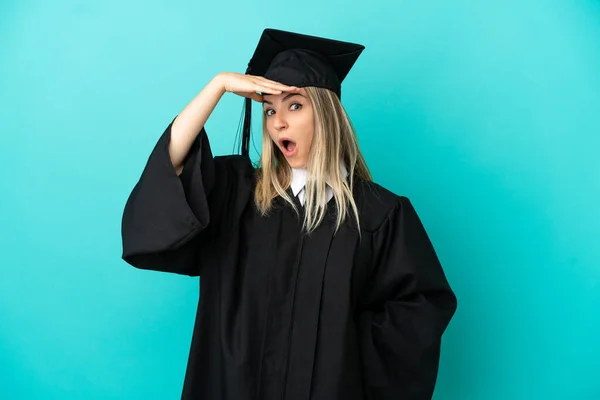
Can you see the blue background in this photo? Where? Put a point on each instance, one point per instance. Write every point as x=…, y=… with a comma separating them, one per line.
x=485, y=114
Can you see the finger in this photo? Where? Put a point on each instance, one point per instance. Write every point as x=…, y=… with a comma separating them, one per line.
x=251, y=95
x=278, y=89
x=276, y=85
x=266, y=89
x=256, y=97
x=270, y=84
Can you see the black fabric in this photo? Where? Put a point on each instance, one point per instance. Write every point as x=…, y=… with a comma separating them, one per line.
x=284, y=315
x=302, y=60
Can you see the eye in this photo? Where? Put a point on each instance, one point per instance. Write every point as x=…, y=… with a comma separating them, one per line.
x=294, y=107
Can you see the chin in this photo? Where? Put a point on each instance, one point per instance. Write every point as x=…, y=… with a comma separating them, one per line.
x=296, y=164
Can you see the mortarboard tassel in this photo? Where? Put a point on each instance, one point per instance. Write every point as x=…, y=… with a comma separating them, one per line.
x=246, y=127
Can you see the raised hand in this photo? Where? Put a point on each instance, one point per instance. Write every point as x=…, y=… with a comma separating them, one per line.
x=252, y=86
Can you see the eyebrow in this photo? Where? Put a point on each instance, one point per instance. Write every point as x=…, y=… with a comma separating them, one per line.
x=285, y=98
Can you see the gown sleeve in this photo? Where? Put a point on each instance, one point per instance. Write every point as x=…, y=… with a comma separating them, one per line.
x=407, y=305
x=169, y=220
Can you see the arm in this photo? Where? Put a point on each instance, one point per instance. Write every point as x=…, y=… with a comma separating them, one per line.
x=183, y=191
x=192, y=119
x=404, y=312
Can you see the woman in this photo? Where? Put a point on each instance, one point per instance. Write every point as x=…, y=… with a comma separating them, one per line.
x=316, y=283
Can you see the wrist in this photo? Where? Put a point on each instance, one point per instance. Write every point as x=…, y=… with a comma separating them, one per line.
x=218, y=83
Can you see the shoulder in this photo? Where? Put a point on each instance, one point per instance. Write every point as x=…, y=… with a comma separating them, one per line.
x=377, y=204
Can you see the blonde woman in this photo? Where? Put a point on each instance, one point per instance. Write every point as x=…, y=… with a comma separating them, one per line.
x=316, y=283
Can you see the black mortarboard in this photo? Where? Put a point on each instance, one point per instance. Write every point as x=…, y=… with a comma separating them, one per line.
x=299, y=60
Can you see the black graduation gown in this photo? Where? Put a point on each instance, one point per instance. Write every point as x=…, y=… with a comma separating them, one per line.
x=284, y=315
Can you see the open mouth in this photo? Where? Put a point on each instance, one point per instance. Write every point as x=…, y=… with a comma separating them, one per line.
x=288, y=146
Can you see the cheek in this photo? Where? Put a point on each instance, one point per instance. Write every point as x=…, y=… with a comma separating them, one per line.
x=308, y=139
x=309, y=132
x=270, y=131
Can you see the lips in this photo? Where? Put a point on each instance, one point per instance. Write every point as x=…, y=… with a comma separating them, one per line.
x=288, y=147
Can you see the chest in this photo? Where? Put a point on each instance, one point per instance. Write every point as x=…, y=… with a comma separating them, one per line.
x=272, y=256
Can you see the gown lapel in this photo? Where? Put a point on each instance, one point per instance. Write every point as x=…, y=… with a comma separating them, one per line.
x=306, y=312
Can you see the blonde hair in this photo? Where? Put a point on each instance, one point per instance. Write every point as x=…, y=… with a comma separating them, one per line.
x=334, y=141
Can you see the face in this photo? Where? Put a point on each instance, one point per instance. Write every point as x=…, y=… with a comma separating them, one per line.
x=289, y=121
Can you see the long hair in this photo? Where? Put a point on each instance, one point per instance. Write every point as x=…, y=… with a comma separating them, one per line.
x=334, y=141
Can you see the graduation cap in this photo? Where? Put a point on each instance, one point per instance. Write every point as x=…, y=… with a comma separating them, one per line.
x=299, y=60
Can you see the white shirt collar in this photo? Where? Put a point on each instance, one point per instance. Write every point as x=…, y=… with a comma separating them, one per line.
x=299, y=176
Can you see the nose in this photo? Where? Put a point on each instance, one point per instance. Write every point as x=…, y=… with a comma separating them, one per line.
x=279, y=122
